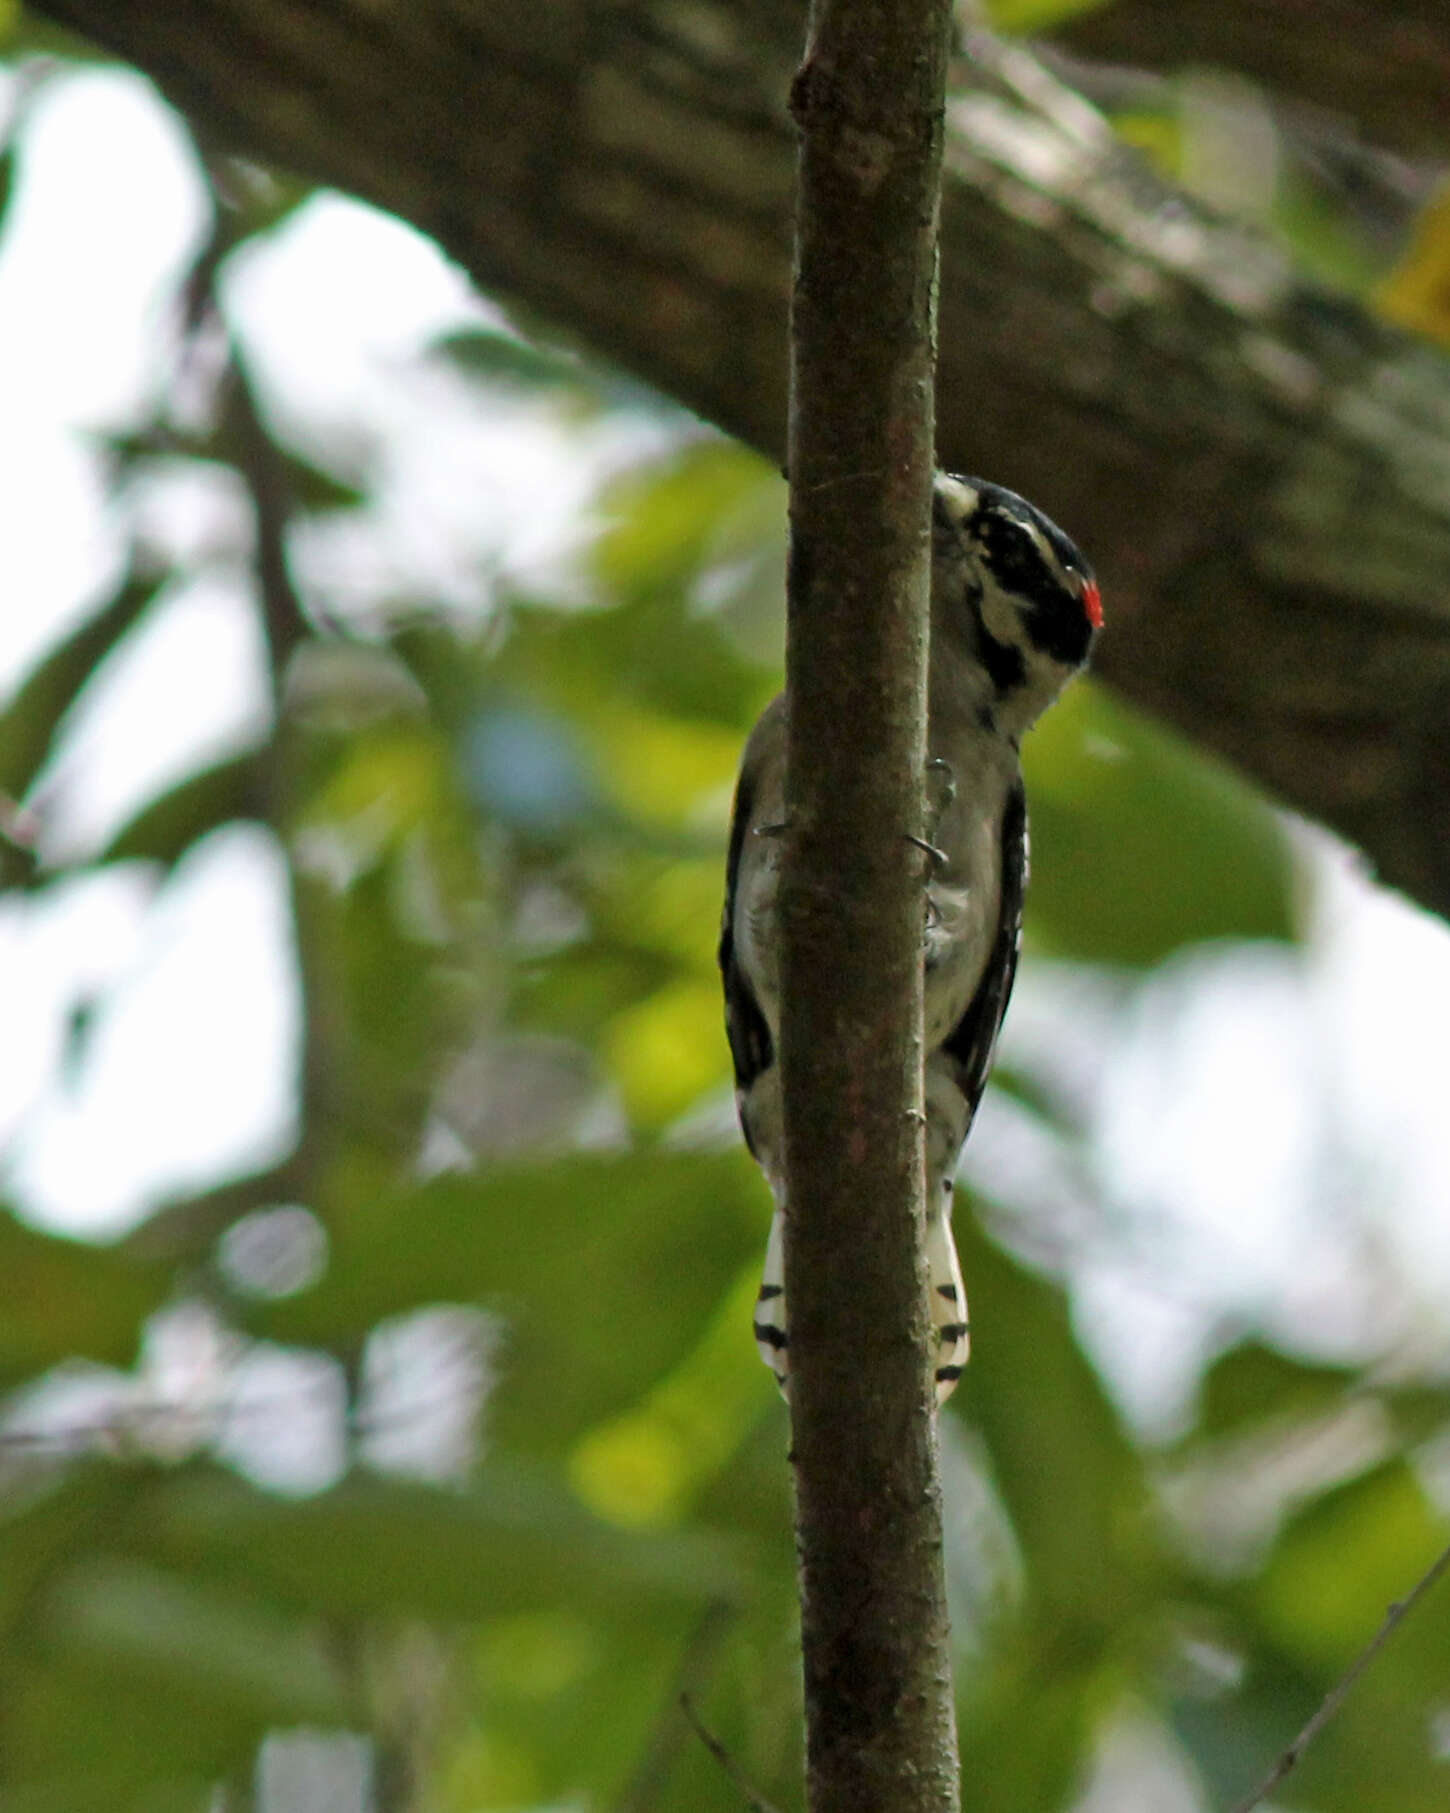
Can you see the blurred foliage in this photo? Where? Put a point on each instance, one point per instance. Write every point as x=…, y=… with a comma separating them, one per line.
x=1417, y=292
x=1115, y=799
x=1033, y=15
x=504, y=841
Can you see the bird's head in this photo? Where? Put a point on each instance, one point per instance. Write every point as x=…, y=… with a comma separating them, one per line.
x=1010, y=586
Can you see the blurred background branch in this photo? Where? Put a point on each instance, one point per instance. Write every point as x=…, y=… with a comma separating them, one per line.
x=1266, y=492
x=381, y=1425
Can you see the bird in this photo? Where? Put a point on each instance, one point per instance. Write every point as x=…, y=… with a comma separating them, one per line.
x=1015, y=609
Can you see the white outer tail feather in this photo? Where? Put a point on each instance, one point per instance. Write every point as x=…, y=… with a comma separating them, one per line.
x=948, y=1303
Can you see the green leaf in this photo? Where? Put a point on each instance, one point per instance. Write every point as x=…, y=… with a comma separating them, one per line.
x=670, y=520
x=513, y=1541
x=64, y=1297
x=671, y=1449
x=531, y=363
x=650, y=654
x=1253, y=1382
x=316, y=490
x=1233, y=1738
x=1329, y=1582
x=29, y=722
x=1025, y=17
x=567, y=1706
x=1344, y=1560
x=80, y=1740
x=1140, y=844
x=371, y=983
x=144, y=1623
x=1072, y=1482
x=257, y=198
x=1026, y=1725
x=42, y=1528
x=586, y=1709
x=506, y=362
x=128, y=1683
x=607, y=1270
x=23, y=33
x=167, y=827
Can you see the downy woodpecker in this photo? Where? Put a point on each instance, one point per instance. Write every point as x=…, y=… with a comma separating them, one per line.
x=1014, y=609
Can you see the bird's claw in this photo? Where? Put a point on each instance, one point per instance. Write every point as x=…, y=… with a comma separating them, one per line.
x=941, y=790
x=938, y=857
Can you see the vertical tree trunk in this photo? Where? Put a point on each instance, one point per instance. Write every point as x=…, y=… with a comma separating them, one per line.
x=869, y=101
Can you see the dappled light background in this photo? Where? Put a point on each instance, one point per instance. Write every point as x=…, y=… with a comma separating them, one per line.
x=382, y=1425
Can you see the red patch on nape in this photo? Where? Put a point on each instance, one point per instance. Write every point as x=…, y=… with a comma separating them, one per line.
x=1092, y=603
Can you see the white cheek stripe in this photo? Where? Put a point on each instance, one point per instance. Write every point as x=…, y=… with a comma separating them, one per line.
x=964, y=497
x=1003, y=621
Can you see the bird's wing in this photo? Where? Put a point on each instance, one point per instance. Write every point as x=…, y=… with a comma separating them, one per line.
x=751, y=1045
x=970, y=1044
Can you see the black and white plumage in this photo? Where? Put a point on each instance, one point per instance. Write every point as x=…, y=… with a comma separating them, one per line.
x=1014, y=610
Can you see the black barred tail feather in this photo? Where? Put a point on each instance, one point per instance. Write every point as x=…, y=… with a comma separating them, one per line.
x=948, y=1300
x=948, y=1305
x=770, y=1326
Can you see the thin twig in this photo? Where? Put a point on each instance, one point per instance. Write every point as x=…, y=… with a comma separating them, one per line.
x=1342, y=1688
x=647, y=1785
x=724, y=1758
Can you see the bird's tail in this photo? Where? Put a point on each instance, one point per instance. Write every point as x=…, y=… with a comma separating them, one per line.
x=771, y=1336
x=948, y=1302
x=948, y=1297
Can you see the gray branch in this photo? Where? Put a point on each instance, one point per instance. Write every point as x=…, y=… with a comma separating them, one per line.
x=1258, y=469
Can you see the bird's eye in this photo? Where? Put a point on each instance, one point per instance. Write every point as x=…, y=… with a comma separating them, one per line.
x=1010, y=548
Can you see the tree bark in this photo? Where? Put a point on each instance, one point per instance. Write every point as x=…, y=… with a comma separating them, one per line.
x=875, y=1638
x=1385, y=69
x=1258, y=469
